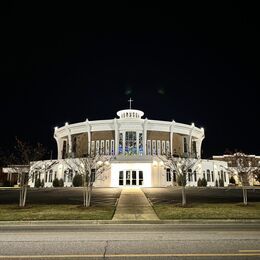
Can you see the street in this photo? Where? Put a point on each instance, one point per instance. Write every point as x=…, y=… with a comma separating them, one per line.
x=130, y=241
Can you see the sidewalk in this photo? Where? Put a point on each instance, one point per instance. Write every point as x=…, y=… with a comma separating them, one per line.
x=133, y=205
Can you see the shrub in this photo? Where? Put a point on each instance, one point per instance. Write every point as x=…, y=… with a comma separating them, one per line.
x=204, y=182
x=216, y=183
x=42, y=183
x=7, y=183
x=55, y=183
x=37, y=183
x=199, y=182
x=77, y=180
x=221, y=183
x=232, y=180
x=61, y=183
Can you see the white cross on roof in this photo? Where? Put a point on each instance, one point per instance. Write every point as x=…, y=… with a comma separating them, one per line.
x=130, y=101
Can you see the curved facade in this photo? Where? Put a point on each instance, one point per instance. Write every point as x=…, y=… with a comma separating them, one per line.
x=135, y=146
x=129, y=134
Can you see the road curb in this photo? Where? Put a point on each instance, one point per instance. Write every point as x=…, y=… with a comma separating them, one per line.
x=127, y=222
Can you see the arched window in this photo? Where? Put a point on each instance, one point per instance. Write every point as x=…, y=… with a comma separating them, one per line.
x=208, y=175
x=50, y=176
x=168, y=175
x=64, y=149
x=74, y=145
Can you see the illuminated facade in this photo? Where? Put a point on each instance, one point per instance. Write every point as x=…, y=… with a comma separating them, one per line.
x=134, y=144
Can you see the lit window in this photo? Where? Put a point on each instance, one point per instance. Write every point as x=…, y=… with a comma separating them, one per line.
x=130, y=143
x=140, y=144
x=168, y=175
x=148, y=147
x=208, y=175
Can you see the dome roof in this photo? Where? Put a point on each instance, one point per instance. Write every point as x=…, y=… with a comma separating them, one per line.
x=130, y=114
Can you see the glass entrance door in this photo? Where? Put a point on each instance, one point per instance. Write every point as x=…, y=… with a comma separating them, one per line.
x=131, y=178
x=128, y=178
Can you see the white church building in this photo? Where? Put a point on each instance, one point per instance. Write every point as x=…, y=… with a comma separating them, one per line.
x=135, y=146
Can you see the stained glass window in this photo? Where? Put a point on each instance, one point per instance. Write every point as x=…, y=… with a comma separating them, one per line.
x=92, y=147
x=148, y=147
x=102, y=147
x=185, y=145
x=120, y=148
x=97, y=147
x=112, y=147
x=141, y=150
x=154, y=147
x=158, y=147
x=163, y=147
x=130, y=143
x=107, y=147
x=167, y=147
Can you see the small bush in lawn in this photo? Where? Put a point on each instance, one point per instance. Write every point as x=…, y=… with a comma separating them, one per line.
x=55, y=183
x=232, y=180
x=42, y=183
x=61, y=183
x=37, y=183
x=77, y=180
x=216, y=183
x=204, y=182
x=199, y=182
x=7, y=183
x=221, y=183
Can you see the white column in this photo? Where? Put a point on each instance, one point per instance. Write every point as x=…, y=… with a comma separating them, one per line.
x=190, y=139
x=116, y=137
x=171, y=132
x=145, y=136
x=59, y=144
x=69, y=139
x=89, y=135
x=199, y=144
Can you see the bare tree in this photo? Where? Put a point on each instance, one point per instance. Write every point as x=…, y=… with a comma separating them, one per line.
x=181, y=166
x=41, y=167
x=23, y=154
x=242, y=166
x=90, y=168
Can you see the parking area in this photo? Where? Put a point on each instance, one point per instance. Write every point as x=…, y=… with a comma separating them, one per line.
x=100, y=196
x=203, y=195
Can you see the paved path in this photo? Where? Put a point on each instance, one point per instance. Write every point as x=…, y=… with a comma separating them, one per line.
x=133, y=205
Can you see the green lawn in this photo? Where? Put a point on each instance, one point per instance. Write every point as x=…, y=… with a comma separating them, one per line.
x=208, y=211
x=55, y=212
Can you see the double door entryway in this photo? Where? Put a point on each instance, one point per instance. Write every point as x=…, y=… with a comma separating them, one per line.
x=131, y=178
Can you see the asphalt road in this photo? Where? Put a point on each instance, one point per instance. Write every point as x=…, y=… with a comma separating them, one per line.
x=100, y=196
x=135, y=241
x=201, y=195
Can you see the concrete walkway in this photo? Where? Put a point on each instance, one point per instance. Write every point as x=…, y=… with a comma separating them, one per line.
x=133, y=205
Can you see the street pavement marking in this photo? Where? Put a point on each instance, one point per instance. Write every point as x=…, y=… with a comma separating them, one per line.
x=128, y=255
x=249, y=250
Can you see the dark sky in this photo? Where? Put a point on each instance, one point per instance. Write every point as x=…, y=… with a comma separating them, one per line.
x=198, y=64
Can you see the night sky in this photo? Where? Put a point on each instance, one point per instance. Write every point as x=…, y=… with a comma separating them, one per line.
x=191, y=65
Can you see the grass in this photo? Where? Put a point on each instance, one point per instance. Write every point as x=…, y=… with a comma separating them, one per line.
x=12, y=212
x=208, y=211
